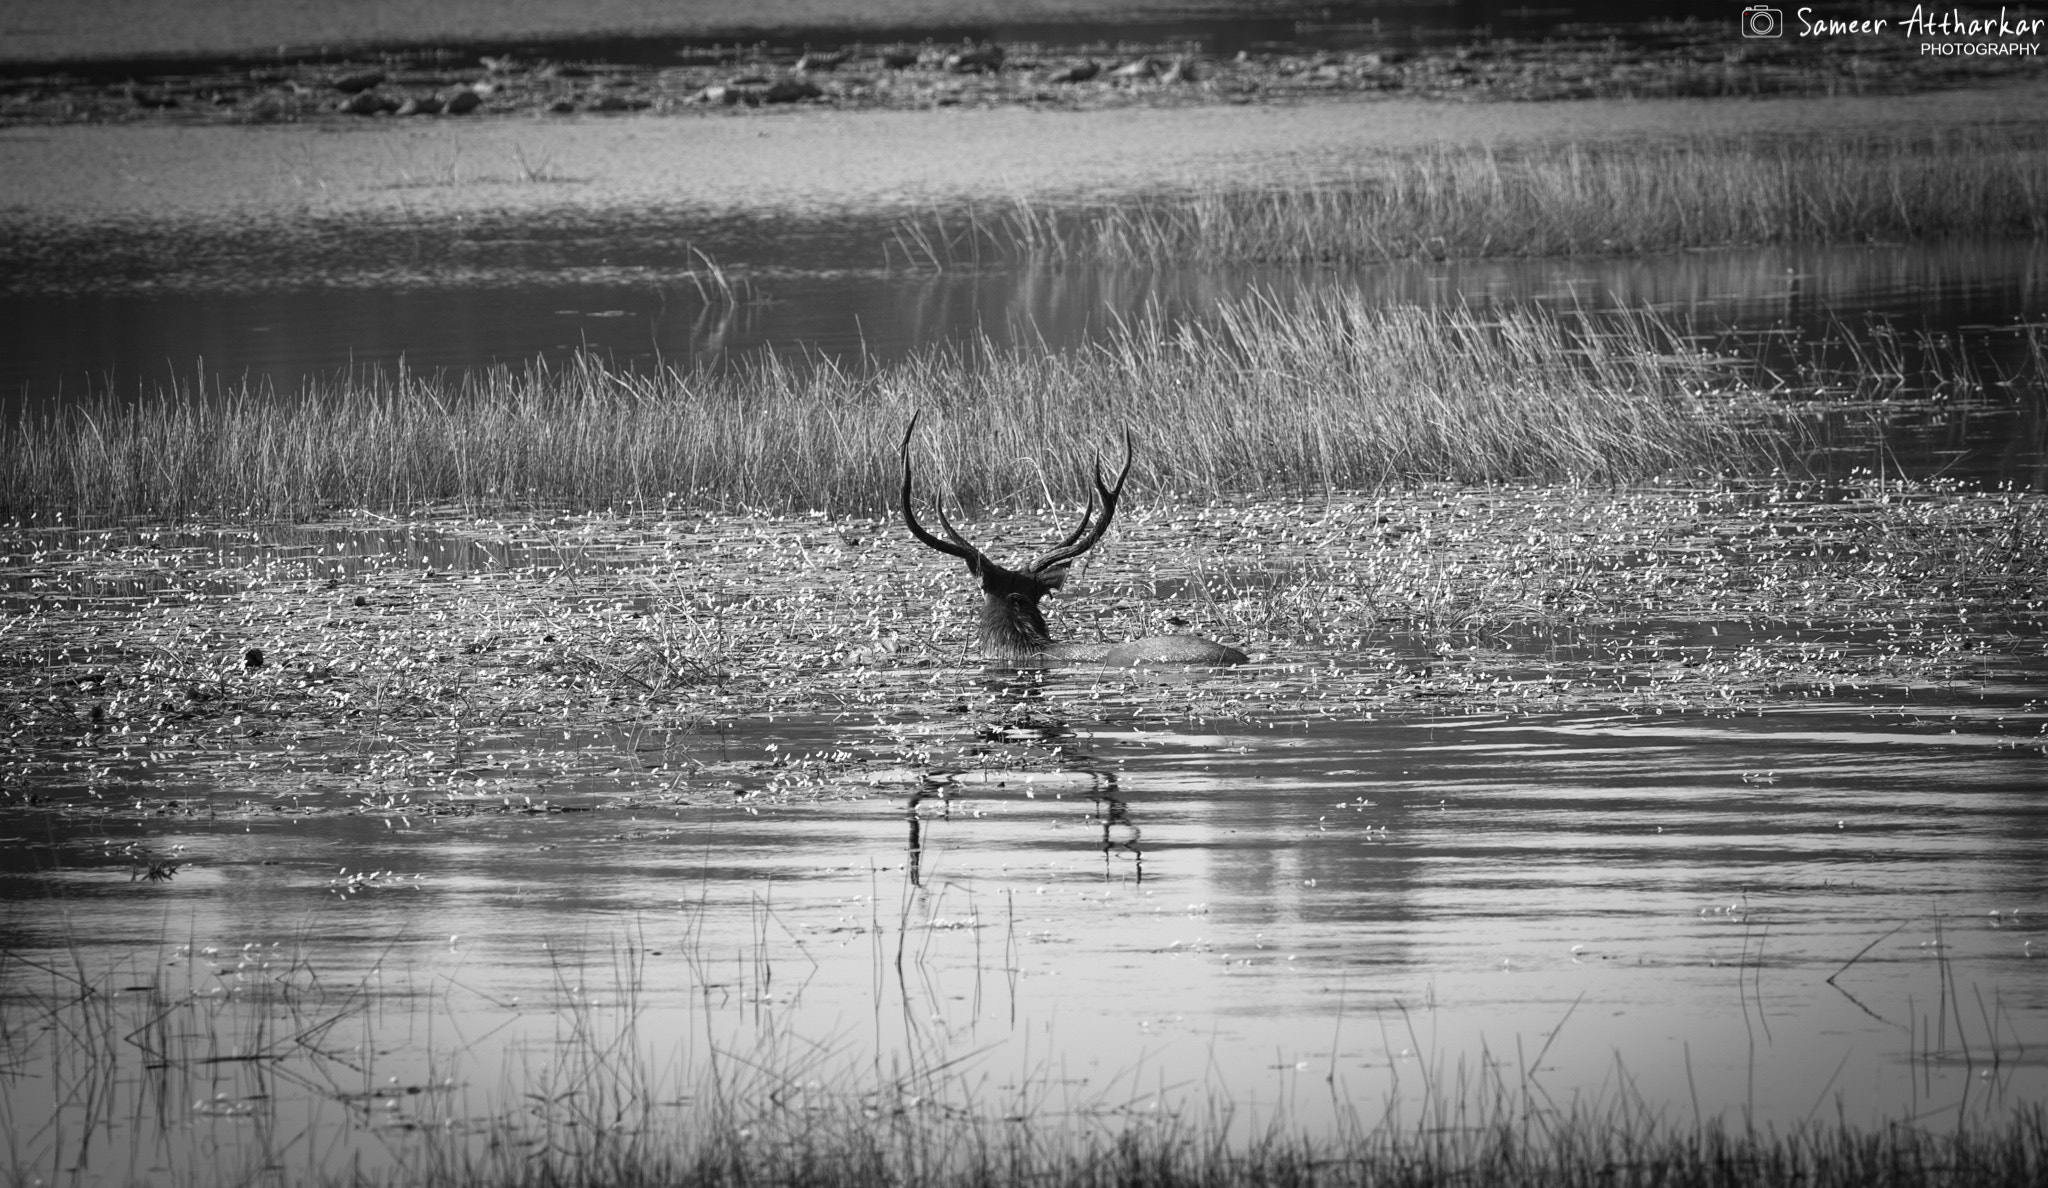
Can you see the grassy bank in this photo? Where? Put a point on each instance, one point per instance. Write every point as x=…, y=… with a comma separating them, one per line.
x=1560, y=199
x=1159, y=67
x=1325, y=392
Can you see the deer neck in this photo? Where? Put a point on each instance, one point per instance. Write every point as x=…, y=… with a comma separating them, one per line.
x=1013, y=630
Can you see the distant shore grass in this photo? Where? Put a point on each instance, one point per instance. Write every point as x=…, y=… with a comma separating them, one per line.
x=1560, y=199
x=1325, y=392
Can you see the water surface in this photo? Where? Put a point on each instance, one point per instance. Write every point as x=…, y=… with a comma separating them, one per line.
x=1817, y=914
x=1747, y=827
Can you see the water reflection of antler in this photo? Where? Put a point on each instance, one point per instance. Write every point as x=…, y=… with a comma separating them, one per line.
x=1023, y=719
x=1119, y=832
x=931, y=791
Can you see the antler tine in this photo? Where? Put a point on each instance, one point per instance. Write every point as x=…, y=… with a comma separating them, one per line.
x=955, y=545
x=1084, y=535
x=1087, y=513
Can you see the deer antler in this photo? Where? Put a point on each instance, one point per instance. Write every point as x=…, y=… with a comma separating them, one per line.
x=1083, y=537
x=954, y=545
x=1012, y=625
x=1080, y=540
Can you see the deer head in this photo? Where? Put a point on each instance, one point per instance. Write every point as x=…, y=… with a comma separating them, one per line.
x=1011, y=624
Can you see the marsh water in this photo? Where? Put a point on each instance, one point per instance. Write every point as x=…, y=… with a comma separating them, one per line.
x=443, y=872
x=1781, y=918
x=337, y=847
x=242, y=937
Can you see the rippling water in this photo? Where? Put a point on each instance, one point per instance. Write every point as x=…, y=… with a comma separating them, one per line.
x=1833, y=912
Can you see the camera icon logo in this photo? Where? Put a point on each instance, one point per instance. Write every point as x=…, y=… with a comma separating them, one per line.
x=1759, y=21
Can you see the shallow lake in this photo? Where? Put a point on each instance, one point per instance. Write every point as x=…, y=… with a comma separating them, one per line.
x=1772, y=853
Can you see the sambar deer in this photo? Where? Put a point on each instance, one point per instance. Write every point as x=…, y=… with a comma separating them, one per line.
x=1013, y=628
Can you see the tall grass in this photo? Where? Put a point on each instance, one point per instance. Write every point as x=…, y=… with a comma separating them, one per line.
x=1324, y=391
x=1562, y=199
x=900, y=1152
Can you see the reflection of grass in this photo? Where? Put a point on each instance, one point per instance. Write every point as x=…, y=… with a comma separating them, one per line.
x=1325, y=392
x=1560, y=199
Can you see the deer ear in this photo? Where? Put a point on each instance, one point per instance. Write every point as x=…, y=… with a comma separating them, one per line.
x=1054, y=578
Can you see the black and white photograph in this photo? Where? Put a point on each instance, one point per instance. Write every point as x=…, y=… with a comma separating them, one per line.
x=1004, y=593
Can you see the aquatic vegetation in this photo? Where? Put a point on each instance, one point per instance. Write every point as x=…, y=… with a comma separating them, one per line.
x=1309, y=392
x=571, y=656
x=1324, y=392
x=1560, y=199
x=927, y=1148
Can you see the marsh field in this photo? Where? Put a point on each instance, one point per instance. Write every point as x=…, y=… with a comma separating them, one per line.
x=474, y=714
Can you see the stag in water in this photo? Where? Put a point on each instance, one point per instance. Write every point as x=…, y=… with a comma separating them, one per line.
x=1013, y=628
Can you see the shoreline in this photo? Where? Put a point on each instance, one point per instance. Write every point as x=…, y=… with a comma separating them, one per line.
x=896, y=70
